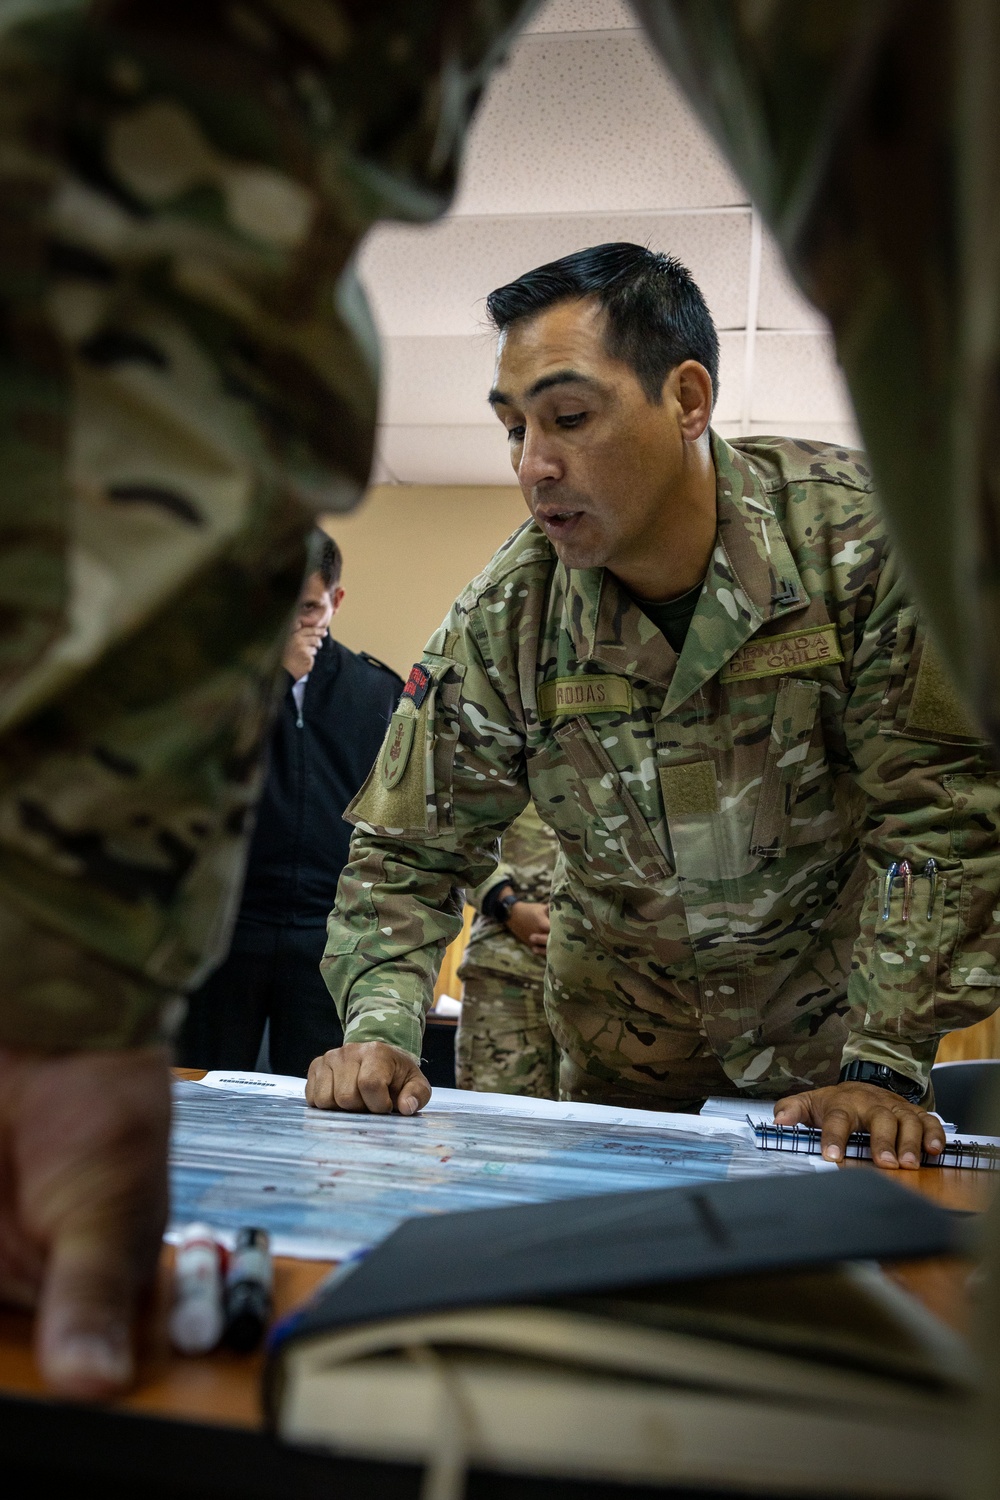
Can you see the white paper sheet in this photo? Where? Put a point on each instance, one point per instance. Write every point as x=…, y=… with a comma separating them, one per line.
x=760, y=1111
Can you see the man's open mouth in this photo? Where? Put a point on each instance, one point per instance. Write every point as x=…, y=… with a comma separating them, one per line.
x=558, y=522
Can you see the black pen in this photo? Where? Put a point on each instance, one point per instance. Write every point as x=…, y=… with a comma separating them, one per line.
x=249, y=1280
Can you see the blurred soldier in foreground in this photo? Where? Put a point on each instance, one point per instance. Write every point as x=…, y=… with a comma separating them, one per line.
x=504, y=1043
x=331, y=721
x=186, y=380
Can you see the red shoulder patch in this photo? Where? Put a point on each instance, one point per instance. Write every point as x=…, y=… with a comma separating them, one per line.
x=417, y=684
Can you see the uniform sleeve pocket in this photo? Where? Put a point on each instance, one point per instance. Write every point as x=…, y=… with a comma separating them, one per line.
x=909, y=963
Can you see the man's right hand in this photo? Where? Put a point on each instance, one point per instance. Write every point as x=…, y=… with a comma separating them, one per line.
x=300, y=650
x=369, y=1078
x=529, y=922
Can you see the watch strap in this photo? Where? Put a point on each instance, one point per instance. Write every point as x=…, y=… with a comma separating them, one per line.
x=883, y=1077
x=505, y=905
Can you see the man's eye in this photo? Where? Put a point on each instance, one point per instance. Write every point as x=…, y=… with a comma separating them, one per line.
x=515, y=434
x=572, y=419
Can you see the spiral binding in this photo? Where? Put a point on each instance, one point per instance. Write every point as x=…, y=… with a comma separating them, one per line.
x=805, y=1139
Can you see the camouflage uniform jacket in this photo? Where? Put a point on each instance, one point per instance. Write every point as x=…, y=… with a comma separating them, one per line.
x=726, y=818
x=527, y=856
x=186, y=379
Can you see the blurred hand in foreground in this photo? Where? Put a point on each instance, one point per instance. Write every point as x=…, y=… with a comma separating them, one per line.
x=83, y=1204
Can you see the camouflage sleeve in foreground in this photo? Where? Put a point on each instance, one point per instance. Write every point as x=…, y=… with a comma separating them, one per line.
x=449, y=780
x=185, y=380
x=931, y=964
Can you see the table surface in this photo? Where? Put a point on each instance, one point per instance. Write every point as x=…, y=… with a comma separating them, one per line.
x=223, y=1388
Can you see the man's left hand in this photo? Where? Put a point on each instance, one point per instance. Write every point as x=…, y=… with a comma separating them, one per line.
x=899, y=1131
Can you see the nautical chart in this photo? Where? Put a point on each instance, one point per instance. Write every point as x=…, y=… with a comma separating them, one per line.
x=325, y=1186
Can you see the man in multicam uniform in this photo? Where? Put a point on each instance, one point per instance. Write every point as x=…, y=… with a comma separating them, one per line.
x=728, y=811
x=504, y=1044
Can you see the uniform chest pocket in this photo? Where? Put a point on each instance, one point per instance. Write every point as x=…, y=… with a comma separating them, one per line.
x=615, y=840
x=796, y=804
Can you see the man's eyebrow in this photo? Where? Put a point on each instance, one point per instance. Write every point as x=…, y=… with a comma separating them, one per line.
x=558, y=377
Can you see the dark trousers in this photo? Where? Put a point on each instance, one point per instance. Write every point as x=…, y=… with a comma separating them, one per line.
x=271, y=974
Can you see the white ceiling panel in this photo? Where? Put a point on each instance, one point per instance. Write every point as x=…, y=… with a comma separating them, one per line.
x=445, y=455
x=436, y=280
x=589, y=124
x=437, y=380
x=446, y=380
x=781, y=304
x=583, y=138
x=583, y=15
x=732, y=357
x=796, y=379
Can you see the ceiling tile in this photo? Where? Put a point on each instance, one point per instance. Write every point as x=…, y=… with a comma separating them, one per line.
x=583, y=15
x=584, y=124
x=436, y=280
x=446, y=380
x=436, y=380
x=446, y=455
x=781, y=303
x=797, y=379
x=732, y=359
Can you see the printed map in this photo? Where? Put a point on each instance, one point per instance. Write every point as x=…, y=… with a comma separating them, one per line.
x=326, y=1186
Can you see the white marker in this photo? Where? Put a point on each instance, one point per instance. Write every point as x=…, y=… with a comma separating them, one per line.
x=197, y=1317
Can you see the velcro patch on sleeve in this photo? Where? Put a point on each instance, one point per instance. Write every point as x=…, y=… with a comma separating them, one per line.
x=935, y=708
x=417, y=684
x=584, y=695
x=394, y=798
x=689, y=790
x=793, y=651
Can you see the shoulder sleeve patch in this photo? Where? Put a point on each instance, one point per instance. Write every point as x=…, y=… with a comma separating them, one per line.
x=936, y=708
x=417, y=684
x=394, y=798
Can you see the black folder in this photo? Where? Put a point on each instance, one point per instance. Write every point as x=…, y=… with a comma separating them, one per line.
x=618, y=1240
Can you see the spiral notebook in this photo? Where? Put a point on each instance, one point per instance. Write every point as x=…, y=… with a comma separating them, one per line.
x=981, y=1153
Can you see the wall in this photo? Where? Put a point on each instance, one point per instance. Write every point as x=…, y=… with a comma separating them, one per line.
x=408, y=551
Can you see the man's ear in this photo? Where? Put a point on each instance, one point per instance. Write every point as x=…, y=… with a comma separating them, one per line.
x=691, y=386
x=337, y=598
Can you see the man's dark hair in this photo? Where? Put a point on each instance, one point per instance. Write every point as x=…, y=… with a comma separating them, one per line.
x=656, y=315
x=326, y=558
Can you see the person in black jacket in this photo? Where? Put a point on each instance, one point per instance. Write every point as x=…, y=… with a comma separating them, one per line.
x=329, y=729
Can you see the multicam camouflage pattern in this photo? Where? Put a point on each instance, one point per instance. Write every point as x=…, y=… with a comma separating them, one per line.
x=724, y=838
x=186, y=378
x=504, y=1044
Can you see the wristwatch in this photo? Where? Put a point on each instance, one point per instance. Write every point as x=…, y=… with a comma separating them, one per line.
x=505, y=905
x=883, y=1078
